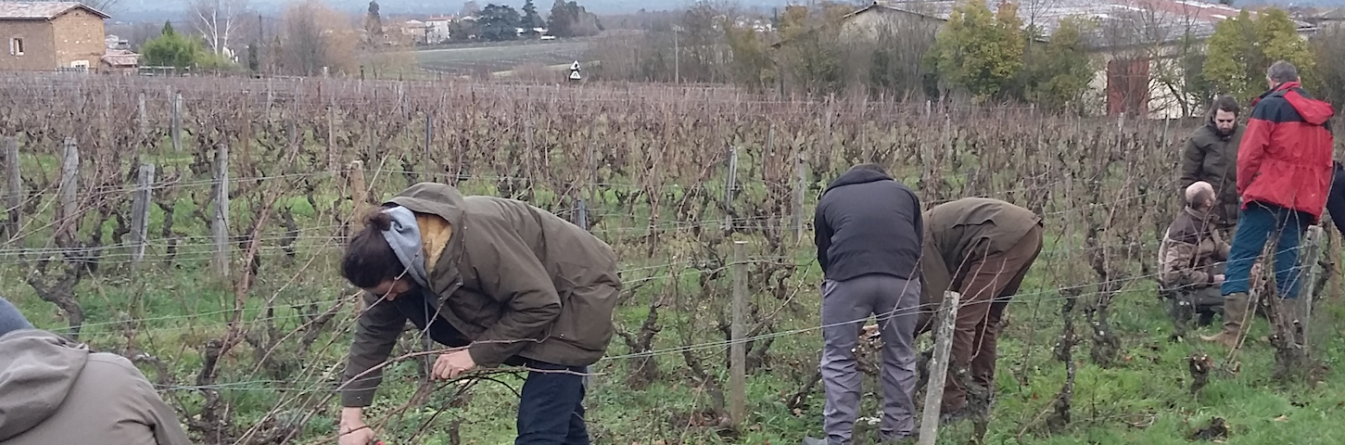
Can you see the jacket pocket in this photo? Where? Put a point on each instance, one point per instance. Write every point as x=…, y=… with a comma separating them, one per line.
x=586, y=316
x=474, y=308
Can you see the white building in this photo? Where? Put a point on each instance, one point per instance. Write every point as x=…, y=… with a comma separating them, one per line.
x=437, y=28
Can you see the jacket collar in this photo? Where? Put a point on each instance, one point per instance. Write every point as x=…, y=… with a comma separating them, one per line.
x=1204, y=218
x=1284, y=87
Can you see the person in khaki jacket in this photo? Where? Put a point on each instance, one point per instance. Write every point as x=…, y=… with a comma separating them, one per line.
x=499, y=281
x=1191, y=255
x=981, y=248
x=54, y=391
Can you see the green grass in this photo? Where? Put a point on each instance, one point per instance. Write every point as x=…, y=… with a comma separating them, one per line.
x=1143, y=400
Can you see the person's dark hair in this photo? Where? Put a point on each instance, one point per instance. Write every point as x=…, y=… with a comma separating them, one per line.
x=1225, y=103
x=870, y=167
x=368, y=259
x=1282, y=71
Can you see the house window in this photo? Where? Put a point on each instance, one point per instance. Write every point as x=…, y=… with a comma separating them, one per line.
x=16, y=47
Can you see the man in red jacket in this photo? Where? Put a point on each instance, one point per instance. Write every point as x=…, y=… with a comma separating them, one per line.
x=1284, y=176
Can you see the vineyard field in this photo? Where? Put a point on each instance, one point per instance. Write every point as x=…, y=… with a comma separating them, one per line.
x=237, y=314
x=495, y=58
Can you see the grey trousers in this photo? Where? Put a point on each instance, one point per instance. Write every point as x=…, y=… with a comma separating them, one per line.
x=846, y=305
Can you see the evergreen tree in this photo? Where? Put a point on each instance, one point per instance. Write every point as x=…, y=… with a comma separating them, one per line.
x=254, y=63
x=530, y=17
x=561, y=21
x=373, y=23
x=172, y=49
x=499, y=23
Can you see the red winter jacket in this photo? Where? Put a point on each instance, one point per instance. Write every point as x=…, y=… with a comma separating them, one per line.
x=1285, y=156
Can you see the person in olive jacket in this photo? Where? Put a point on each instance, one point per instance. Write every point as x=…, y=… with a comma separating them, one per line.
x=496, y=280
x=1211, y=155
x=981, y=248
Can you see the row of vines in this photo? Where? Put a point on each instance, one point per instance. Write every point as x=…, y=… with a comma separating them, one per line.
x=669, y=177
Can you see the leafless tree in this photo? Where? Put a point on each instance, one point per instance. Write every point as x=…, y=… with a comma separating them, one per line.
x=315, y=36
x=1167, y=36
x=217, y=20
x=1329, y=47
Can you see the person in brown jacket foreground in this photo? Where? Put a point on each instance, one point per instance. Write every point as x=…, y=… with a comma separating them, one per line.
x=499, y=282
x=54, y=391
x=981, y=248
x=1190, y=259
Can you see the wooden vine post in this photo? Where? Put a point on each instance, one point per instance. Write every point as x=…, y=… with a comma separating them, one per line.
x=938, y=368
x=68, y=220
x=140, y=205
x=14, y=192
x=219, y=225
x=737, y=345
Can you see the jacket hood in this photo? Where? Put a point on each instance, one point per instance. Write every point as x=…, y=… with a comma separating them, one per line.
x=38, y=371
x=857, y=177
x=448, y=203
x=1313, y=111
x=433, y=198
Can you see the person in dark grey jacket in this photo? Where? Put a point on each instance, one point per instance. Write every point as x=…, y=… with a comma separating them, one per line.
x=868, y=234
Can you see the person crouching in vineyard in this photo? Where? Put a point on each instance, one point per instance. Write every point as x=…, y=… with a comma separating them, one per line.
x=981, y=248
x=496, y=280
x=1190, y=259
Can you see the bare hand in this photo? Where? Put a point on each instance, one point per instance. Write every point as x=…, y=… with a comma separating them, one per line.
x=357, y=435
x=451, y=365
x=1219, y=279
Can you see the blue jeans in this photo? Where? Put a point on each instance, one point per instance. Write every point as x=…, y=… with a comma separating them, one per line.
x=1256, y=224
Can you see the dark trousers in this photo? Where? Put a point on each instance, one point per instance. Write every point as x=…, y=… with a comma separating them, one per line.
x=1256, y=225
x=550, y=411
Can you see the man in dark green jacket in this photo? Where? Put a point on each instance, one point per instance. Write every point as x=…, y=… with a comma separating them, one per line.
x=1211, y=155
x=499, y=282
x=981, y=248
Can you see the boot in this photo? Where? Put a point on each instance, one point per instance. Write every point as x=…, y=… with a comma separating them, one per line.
x=1235, y=309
